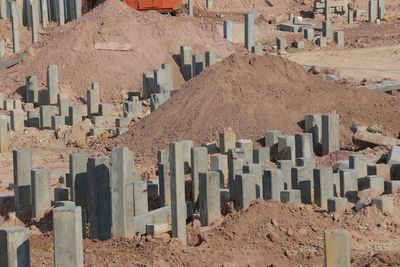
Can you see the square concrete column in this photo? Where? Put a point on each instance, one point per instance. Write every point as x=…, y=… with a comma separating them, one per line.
x=220, y=162
x=99, y=197
x=162, y=156
x=34, y=16
x=44, y=13
x=160, y=80
x=350, y=16
x=306, y=162
x=140, y=197
x=257, y=171
x=68, y=245
x=178, y=205
x=187, y=153
x=384, y=204
x=373, y=182
x=122, y=211
x=62, y=194
x=236, y=160
x=302, y=180
x=190, y=7
x=327, y=10
x=227, y=140
x=169, y=68
x=281, y=43
x=22, y=163
x=2, y=98
x=75, y=115
x=327, y=29
x=330, y=133
x=339, y=38
x=17, y=104
x=33, y=118
x=211, y=58
x=271, y=141
x=17, y=120
x=93, y=101
x=60, y=12
x=41, y=192
x=372, y=11
x=57, y=122
x=337, y=204
x=78, y=8
x=244, y=191
x=3, y=134
x=199, y=158
x=291, y=196
x=148, y=84
x=165, y=183
x=228, y=30
x=52, y=84
x=14, y=247
x=8, y=104
x=381, y=9
x=304, y=145
x=286, y=148
x=31, y=89
x=323, y=186
x=308, y=34
x=249, y=31
x=133, y=109
x=210, y=198
x=63, y=106
x=272, y=184
x=286, y=167
x=78, y=179
x=360, y=164
x=45, y=117
x=15, y=23
x=247, y=145
x=198, y=64
x=261, y=156
x=186, y=62
x=337, y=247
x=313, y=124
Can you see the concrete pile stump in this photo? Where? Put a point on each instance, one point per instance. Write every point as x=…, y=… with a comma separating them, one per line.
x=350, y=16
x=198, y=64
x=392, y=187
x=17, y=120
x=148, y=84
x=323, y=186
x=228, y=30
x=384, y=204
x=281, y=43
x=31, y=89
x=372, y=11
x=220, y=162
x=327, y=29
x=60, y=12
x=57, y=122
x=186, y=62
x=105, y=110
x=2, y=98
x=99, y=197
x=360, y=164
x=62, y=194
x=291, y=196
x=337, y=204
x=211, y=58
x=249, y=31
x=68, y=244
x=330, y=133
x=75, y=115
x=244, y=191
x=272, y=184
x=52, y=84
x=286, y=148
x=308, y=34
x=140, y=197
x=227, y=140
x=93, y=101
x=46, y=112
x=162, y=156
x=348, y=184
x=34, y=16
x=15, y=23
x=321, y=42
x=339, y=38
x=286, y=167
x=22, y=163
x=337, y=248
x=178, y=206
x=122, y=191
x=133, y=109
x=261, y=156
x=169, y=68
x=199, y=159
x=3, y=134
x=258, y=172
x=209, y=197
x=236, y=160
x=304, y=145
x=160, y=80
x=8, y=104
x=373, y=182
x=63, y=106
x=271, y=141
x=247, y=145
x=17, y=104
x=14, y=247
x=302, y=179
x=165, y=183
x=41, y=192
x=78, y=182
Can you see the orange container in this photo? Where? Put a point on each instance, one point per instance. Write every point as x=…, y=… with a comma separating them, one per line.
x=162, y=6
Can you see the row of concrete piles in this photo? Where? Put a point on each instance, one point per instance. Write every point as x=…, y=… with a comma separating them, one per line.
x=31, y=13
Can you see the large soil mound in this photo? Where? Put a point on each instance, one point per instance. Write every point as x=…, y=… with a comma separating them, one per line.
x=154, y=38
x=253, y=94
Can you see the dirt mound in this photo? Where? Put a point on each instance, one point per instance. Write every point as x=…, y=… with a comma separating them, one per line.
x=254, y=94
x=154, y=38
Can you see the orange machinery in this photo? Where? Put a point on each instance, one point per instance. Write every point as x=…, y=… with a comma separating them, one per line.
x=162, y=6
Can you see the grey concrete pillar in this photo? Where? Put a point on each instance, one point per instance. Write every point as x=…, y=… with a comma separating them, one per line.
x=60, y=12
x=41, y=192
x=34, y=20
x=350, y=16
x=286, y=167
x=227, y=140
x=291, y=196
x=148, y=84
x=162, y=156
x=99, y=199
x=45, y=117
x=304, y=145
x=198, y=64
x=257, y=171
x=78, y=8
x=302, y=179
x=31, y=89
x=381, y=9
x=186, y=62
x=228, y=30
x=309, y=34
x=14, y=247
x=63, y=106
x=273, y=184
x=122, y=211
x=209, y=3
x=160, y=80
x=3, y=134
x=327, y=29
x=4, y=10
x=62, y=194
x=140, y=197
x=22, y=163
x=339, y=38
x=52, y=84
x=348, y=184
x=360, y=164
x=330, y=133
x=211, y=58
x=133, y=109
x=17, y=120
x=327, y=10
x=337, y=247
x=271, y=141
x=177, y=191
x=323, y=186
x=313, y=124
x=220, y=162
x=75, y=115
x=281, y=43
x=190, y=7
x=247, y=145
x=15, y=23
x=78, y=179
x=199, y=158
x=210, y=198
x=372, y=11
x=44, y=12
x=93, y=101
x=261, y=156
x=68, y=245
x=169, y=68
x=165, y=183
x=236, y=160
x=2, y=98
x=57, y=122
x=187, y=153
x=244, y=191
x=249, y=31
x=286, y=148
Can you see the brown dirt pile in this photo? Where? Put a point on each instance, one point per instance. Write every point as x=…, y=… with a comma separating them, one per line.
x=254, y=94
x=154, y=38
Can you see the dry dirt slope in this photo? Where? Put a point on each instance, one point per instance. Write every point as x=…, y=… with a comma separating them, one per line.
x=253, y=94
